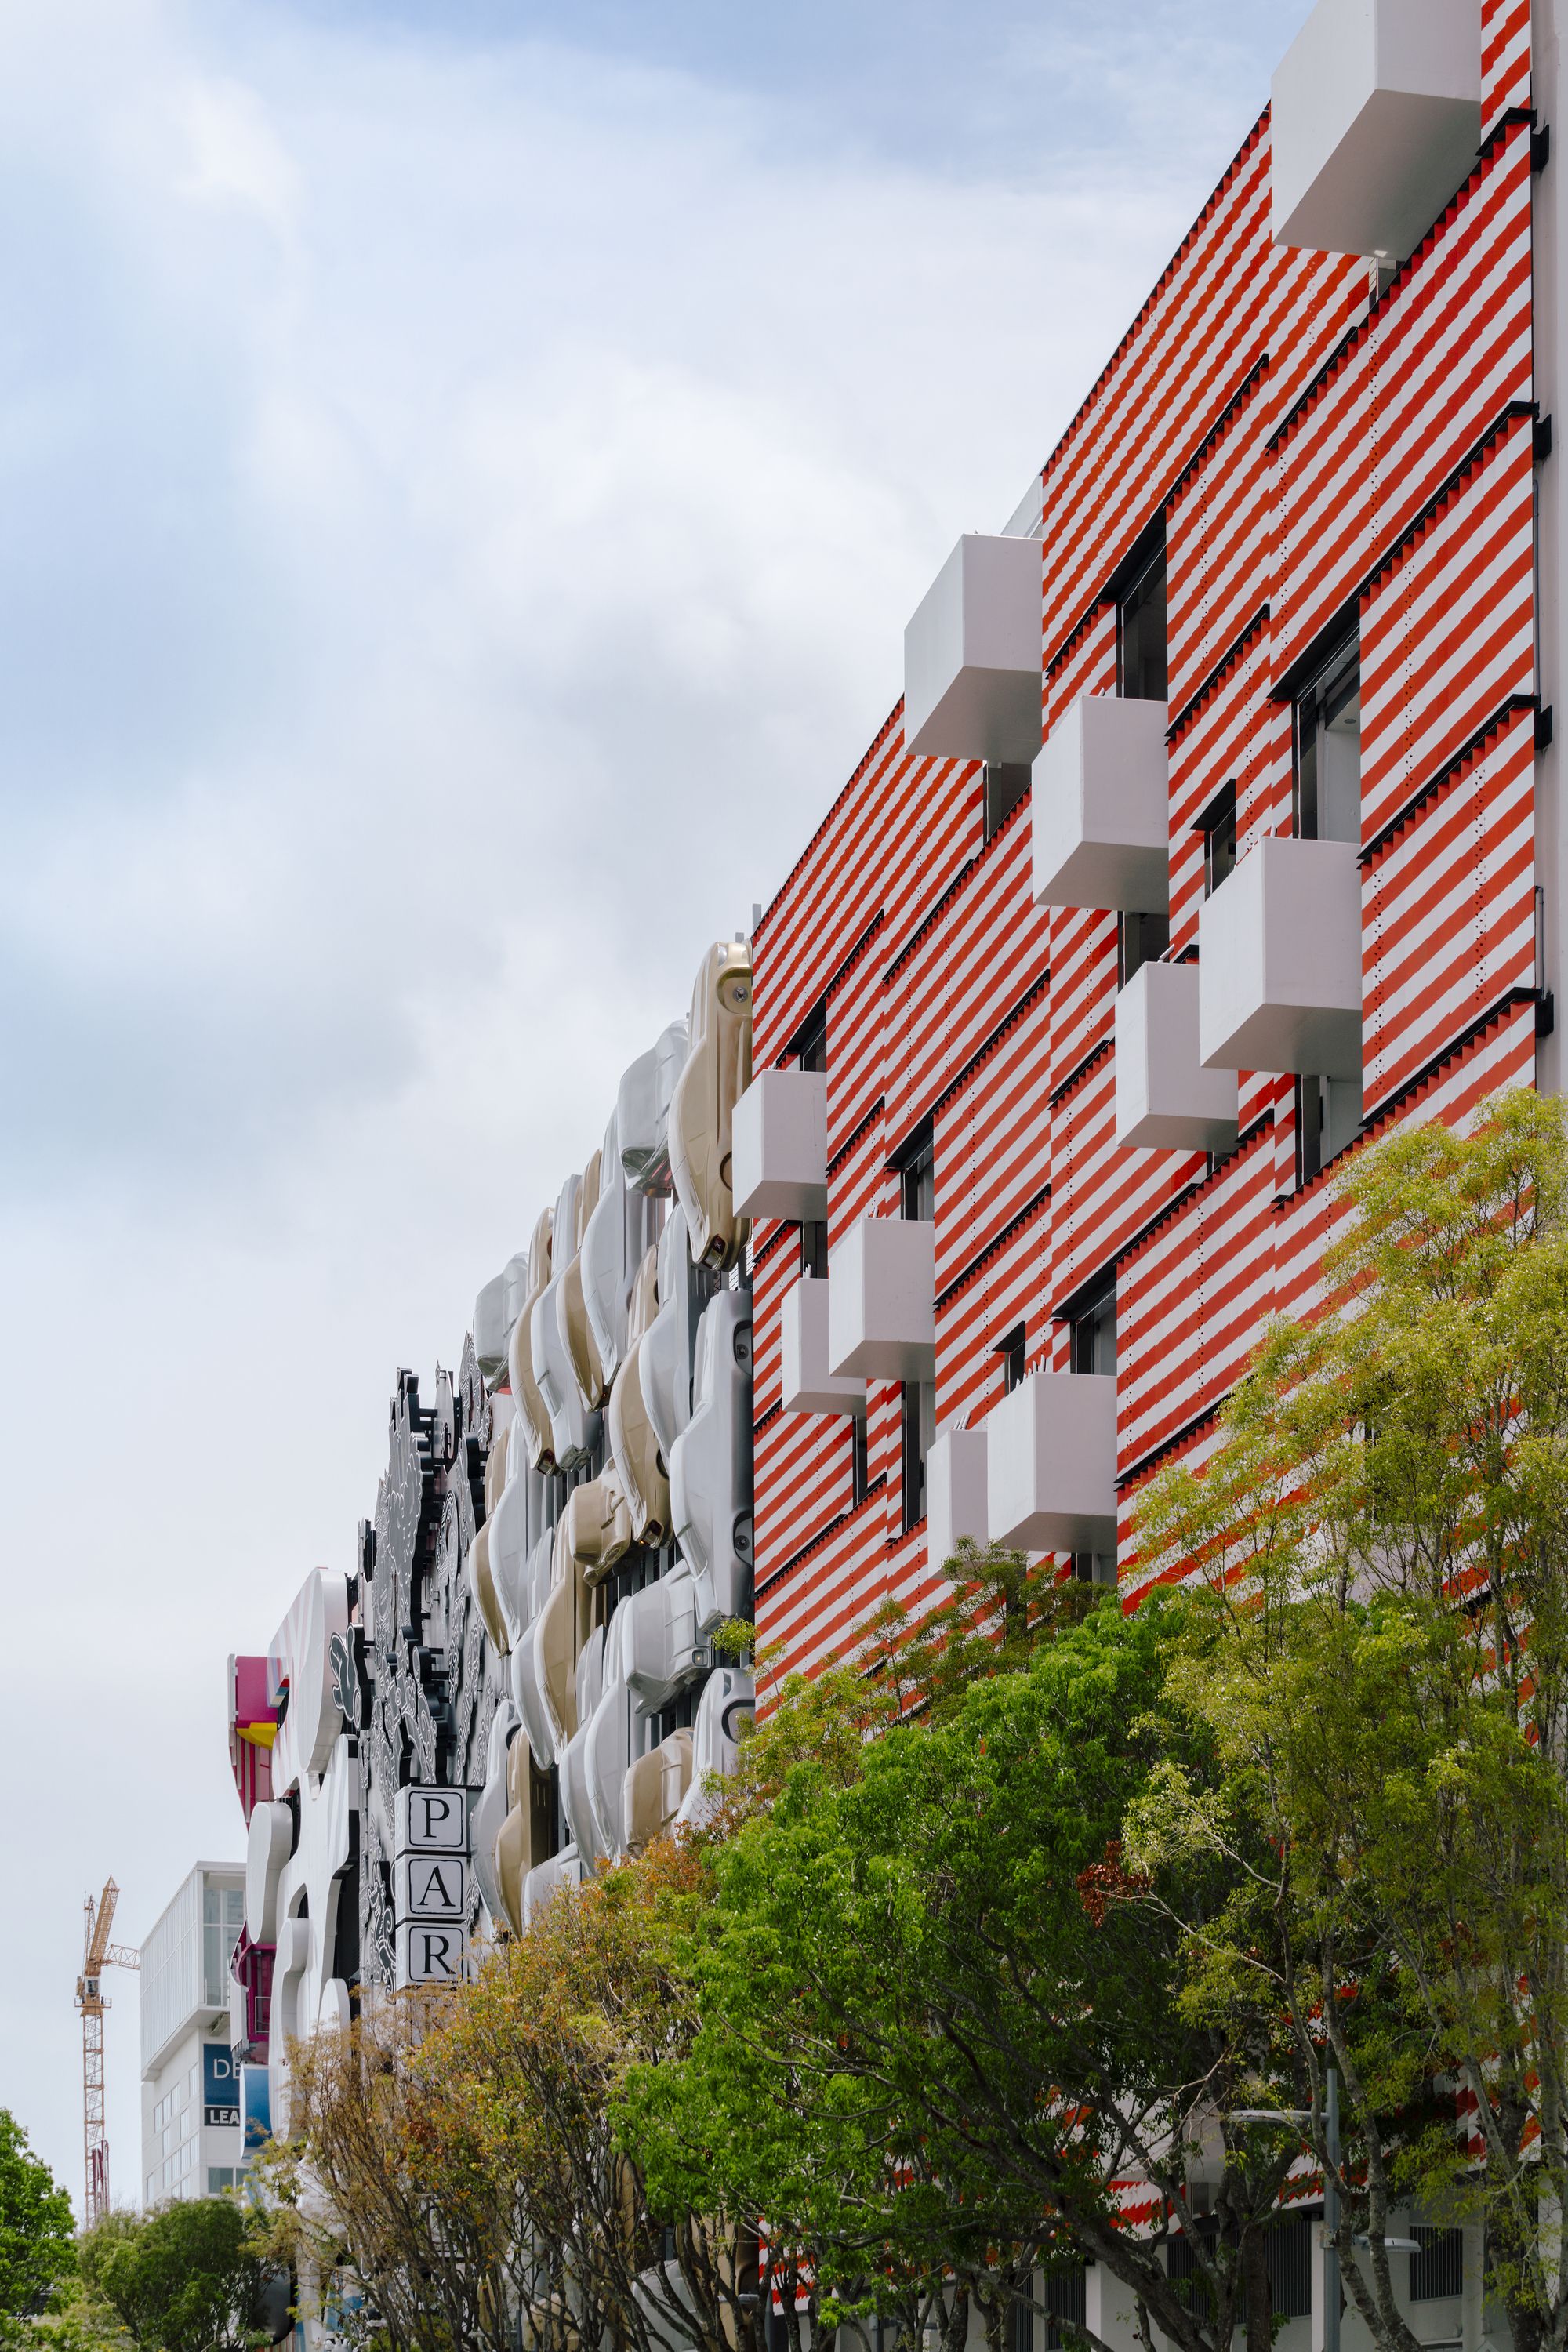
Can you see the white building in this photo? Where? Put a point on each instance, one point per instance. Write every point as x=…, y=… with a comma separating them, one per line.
x=190, y=2101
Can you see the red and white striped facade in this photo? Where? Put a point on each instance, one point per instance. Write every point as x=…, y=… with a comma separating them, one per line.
x=1318, y=448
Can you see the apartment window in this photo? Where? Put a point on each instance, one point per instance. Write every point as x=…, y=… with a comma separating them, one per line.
x=1006, y=781
x=219, y=2177
x=1020, y=2326
x=1141, y=621
x=1438, y=2270
x=1217, y=826
x=918, y=1432
x=1140, y=939
x=810, y=1046
x=1328, y=1118
x=1013, y=1351
x=917, y=1181
x=860, y=1459
x=1327, y=747
x=1093, y=1324
x=814, y=1250
x=1288, y=2252
x=1067, y=2302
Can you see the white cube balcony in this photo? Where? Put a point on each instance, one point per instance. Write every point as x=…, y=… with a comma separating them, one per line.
x=1165, y=1099
x=973, y=671
x=1050, y=1464
x=779, y=1146
x=807, y=1385
x=881, y=1301
x=956, y=1494
x=1375, y=121
x=1100, y=807
x=1280, y=961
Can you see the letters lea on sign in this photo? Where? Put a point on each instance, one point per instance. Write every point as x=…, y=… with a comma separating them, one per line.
x=220, y=2085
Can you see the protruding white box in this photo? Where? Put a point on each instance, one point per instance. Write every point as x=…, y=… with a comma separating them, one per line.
x=1100, y=807
x=779, y=1146
x=1280, y=961
x=1050, y=1464
x=430, y=1952
x=807, y=1385
x=432, y=1820
x=881, y=1300
x=429, y=1886
x=1165, y=1099
x=973, y=663
x=955, y=1493
x=1375, y=121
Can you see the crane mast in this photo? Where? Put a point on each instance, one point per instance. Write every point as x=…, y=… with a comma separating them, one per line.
x=97, y=1953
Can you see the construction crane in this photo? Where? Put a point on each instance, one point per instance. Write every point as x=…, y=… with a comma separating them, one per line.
x=97, y=1953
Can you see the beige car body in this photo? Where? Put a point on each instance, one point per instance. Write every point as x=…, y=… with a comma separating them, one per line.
x=537, y=1432
x=656, y=1789
x=634, y=1443
x=702, y=1109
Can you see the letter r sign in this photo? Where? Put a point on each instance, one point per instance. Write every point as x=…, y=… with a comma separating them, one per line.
x=428, y=1953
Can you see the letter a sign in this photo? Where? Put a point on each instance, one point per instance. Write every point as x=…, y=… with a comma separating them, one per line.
x=431, y=1887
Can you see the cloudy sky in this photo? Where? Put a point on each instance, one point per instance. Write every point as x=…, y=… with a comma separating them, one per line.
x=465, y=467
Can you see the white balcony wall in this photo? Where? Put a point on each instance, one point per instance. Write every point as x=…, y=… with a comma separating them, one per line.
x=1280, y=961
x=806, y=1384
x=779, y=1146
x=955, y=1493
x=1050, y=1464
x=1100, y=807
x=881, y=1301
x=973, y=665
x=1376, y=120
x=1165, y=1099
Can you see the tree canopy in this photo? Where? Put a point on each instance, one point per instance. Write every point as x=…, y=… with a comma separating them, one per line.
x=37, y=2248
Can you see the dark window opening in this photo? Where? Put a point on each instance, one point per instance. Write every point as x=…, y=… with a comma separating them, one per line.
x=1067, y=2301
x=1217, y=826
x=1014, y=1352
x=1006, y=781
x=810, y=1046
x=860, y=1465
x=1440, y=2268
x=1094, y=1567
x=917, y=1181
x=1192, y=2288
x=814, y=1250
x=1141, y=672
x=1093, y=1326
x=1288, y=2252
x=1328, y=749
x=1140, y=939
x=918, y=1430
x=1328, y=1118
x=1020, y=2326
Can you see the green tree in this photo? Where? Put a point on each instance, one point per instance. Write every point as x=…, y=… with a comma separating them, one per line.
x=931, y=2045
x=38, y=2251
x=1380, y=1652
x=182, y=2279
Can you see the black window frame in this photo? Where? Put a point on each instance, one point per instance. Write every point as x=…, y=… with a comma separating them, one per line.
x=1086, y=1318
x=809, y=1044
x=917, y=1178
x=1013, y=1348
x=813, y=1249
x=1217, y=827
x=859, y=1461
x=1005, y=784
x=916, y=1433
x=1139, y=588
x=1142, y=937
x=1318, y=699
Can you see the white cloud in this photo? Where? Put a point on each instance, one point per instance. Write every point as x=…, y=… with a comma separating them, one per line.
x=462, y=506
